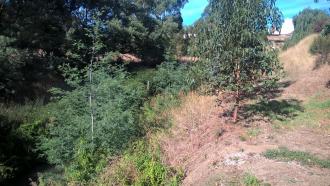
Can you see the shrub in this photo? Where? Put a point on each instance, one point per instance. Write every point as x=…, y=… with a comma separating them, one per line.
x=141, y=165
x=172, y=77
x=321, y=46
x=251, y=180
x=70, y=141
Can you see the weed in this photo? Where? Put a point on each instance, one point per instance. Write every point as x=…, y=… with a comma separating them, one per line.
x=253, y=132
x=305, y=158
x=251, y=180
x=141, y=165
x=242, y=137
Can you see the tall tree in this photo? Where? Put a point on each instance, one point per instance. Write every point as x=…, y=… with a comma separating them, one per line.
x=235, y=47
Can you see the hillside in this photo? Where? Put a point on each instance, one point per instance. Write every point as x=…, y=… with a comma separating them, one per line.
x=213, y=151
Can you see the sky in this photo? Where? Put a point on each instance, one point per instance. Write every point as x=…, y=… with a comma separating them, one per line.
x=194, y=9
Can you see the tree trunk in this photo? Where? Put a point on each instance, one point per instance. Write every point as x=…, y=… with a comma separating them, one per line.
x=236, y=108
x=238, y=86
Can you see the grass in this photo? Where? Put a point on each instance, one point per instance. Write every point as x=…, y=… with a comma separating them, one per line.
x=316, y=112
x=251, y=180
x=141, y=165
x=305, y=158
x=253, y=132
x=275, y=109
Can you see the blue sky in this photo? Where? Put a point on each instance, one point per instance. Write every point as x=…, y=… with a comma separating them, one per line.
x=194, y=9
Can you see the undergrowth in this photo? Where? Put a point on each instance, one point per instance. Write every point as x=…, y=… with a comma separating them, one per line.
x=305, y=158
x=20, y=129
x=251, y=180
x=141, y=165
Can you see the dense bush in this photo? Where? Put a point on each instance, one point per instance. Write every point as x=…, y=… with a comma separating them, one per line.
x=307, y=22
x=20, y=129
x=70, y=140
x=172, y=77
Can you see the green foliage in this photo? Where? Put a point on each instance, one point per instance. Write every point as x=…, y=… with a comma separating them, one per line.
x=20, y=129
x=85, y=164
x=284, y=154
x=37, y=37
x=251, y=180
x=305, y=23
x=10, y=63
x=69, y=137
x=232, y=43
x=141, y=165
x=321, y=46
x=172, y=77
x=53, y=177
x=155, y=114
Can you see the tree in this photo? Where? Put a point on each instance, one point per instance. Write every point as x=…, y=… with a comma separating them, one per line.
x=234, y=45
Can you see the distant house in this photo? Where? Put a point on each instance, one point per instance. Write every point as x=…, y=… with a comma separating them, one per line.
x=278, y=40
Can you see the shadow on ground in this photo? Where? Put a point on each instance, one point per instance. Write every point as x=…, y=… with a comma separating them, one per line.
x=275, y=109
x=269, y=108
x=272, y=92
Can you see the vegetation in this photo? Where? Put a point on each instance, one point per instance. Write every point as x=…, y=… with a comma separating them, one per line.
x=305, y=158
x=321, y=45
x=251, y=180
x=141, y=165
x=97, y=108
x=275, y=110
x=305, y=23
x=233, y=46
x=315, y=111
x=20, y=126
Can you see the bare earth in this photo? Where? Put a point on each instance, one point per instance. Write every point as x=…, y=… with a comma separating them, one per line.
x=211, y=149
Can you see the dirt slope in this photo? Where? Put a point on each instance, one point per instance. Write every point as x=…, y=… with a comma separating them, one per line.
x=212, y=151
x=299, y=64
x=297, y=60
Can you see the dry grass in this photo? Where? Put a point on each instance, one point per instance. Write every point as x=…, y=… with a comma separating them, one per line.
x=196, y=123
x=299, y=65
x=297, y=60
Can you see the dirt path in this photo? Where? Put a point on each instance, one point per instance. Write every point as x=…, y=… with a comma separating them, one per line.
x=215, y=152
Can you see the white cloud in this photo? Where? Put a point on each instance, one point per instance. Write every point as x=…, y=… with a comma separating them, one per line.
x=287, y=26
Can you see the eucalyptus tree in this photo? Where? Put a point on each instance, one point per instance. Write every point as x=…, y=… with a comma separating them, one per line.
x=233, y=45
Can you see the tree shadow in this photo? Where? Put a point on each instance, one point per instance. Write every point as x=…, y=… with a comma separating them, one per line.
x=272, y=92
x=275, y=110
x=268, y=108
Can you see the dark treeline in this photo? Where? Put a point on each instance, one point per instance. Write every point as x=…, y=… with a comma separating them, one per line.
x=39, y=37
x=46, y=44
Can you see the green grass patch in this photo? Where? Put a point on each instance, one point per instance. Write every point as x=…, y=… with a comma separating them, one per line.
x=315, y=111
x=305, y=158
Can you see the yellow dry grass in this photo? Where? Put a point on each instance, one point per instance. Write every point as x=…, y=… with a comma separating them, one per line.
x=196, y=123
x=194, y=111
x=297, y=60
x=299, y=65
